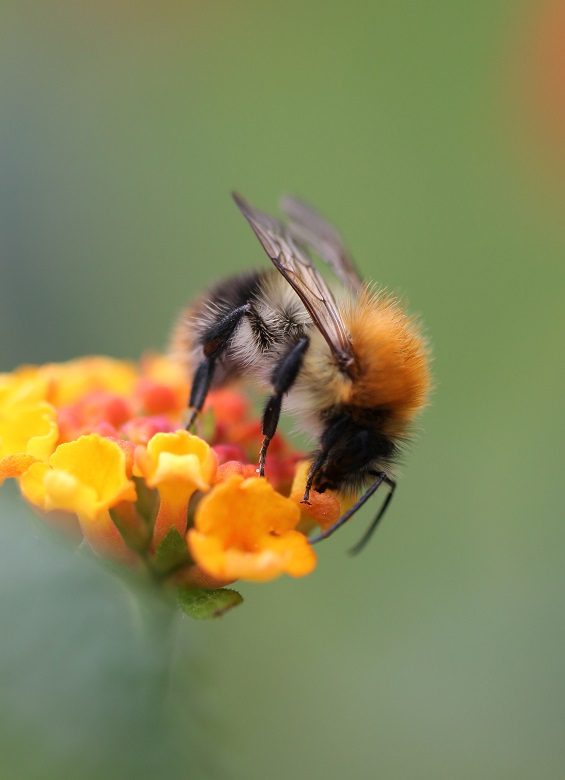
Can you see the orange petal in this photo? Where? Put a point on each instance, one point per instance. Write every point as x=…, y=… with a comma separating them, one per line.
x=231, y=467
x=244, y=530
x=324, y=508
x=289, y=553
x=14, y=466
x=241, y=510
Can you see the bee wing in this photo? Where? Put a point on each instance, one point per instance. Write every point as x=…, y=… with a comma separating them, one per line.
x=308, y=227
x=297, y=268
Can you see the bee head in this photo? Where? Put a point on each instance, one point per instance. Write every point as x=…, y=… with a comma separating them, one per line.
x=353, y=444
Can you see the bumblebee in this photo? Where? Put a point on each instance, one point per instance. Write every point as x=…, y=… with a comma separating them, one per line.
x=349, y=363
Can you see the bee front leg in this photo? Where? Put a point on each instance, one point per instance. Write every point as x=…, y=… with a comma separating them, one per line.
x=214, y=341
x=282, y=379
x=199, y=390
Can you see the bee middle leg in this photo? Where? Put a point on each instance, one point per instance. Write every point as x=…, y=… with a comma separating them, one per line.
x=214, y=341
x=282, y=379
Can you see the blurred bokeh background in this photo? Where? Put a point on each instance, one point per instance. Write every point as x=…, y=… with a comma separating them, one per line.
x=433, y=135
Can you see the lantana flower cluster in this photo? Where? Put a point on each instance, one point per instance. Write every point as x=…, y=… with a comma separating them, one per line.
x=98, y=447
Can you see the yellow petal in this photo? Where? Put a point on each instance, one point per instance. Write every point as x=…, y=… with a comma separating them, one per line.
x=57, y=490
x=64, y=491
x=181, y=468
x=179, y=458
x=92, y=467
x=73, y=379
x=32, y=484
x=28, y=428
x=177, y=464
x=23, y=384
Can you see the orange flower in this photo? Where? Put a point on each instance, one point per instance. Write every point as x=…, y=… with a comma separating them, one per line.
x=99, y=411
x=140, y=430
x=177, y=464
x=230, y=467
x=323, y=509
x=162, y=386
x=86, y=477
x=228, y=406
x=245, y=530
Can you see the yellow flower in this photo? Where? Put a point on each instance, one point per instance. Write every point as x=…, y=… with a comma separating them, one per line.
x=70, y=381
x=94, y=443
x=23, y=384
x=28, y=432
x=177, y=464
x=244, y=529
x=87, y=477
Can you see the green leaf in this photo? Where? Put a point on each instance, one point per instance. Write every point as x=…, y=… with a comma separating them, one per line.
x=171, y=553
x=203, y=604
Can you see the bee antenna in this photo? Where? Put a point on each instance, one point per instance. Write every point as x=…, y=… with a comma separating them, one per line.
x=239, y=199
x=356, y=549
x=380, y=478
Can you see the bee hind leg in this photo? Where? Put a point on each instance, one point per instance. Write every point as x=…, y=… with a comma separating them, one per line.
x=214, y=341
x=282, y=379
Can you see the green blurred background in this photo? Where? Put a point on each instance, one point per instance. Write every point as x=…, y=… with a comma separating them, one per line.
x=439, y=653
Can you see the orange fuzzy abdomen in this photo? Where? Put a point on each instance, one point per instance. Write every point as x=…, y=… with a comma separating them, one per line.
x=392, y=360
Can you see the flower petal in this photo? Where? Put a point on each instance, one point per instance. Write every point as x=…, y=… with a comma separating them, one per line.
x=14, y=466
x=23, y=384
x=244, y=530
x=177, y=464
x=85, y=477
x=177, y=457
x=241, y=510
x=97, y=467
x=28, y=428
x=323, y=509
x=71, y=380
x=289, y=553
